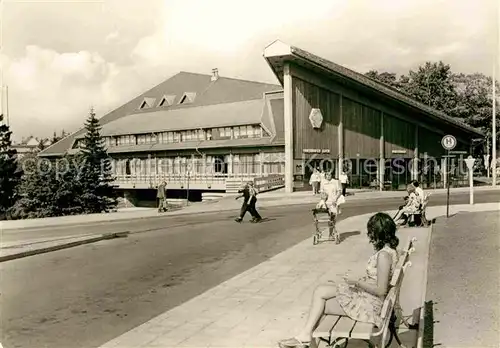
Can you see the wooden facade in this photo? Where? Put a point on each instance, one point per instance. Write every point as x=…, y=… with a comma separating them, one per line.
x=366, y=127
x=307, y=96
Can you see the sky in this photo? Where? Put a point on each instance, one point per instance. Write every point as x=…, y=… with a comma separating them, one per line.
x=61, y=57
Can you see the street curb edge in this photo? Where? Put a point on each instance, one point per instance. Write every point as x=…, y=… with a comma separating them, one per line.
x=421, y=322
x=59, y=247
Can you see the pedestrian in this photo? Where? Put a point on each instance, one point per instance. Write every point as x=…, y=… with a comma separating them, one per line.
x=161, y=194
x=331, y=187
x=315, y=180
x=344, y=180
x=253, y=201
x=249, y=195
x=418, y=191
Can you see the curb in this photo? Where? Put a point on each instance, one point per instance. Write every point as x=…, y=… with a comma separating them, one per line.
x=421, y=321
x=63, y=246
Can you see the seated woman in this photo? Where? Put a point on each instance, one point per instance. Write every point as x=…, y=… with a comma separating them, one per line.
x=361, y=299
x=412, y=204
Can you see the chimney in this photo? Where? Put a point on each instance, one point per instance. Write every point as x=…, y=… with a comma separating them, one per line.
x=215, y=75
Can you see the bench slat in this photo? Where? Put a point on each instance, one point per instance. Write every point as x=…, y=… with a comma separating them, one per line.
x=325, y=326
x=362, y=331
x=344, y=327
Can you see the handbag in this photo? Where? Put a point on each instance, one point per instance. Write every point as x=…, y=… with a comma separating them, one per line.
x=341, y=200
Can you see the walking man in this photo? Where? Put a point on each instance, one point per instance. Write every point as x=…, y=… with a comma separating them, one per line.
x=249, y=195
x=161, y=194
x=253, y=201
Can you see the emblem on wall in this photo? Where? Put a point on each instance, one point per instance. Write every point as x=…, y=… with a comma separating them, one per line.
x=316, y=118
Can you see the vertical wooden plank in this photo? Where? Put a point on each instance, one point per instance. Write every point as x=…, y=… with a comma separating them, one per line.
x=340, y=132
x=415, y=155
x=288, y=113
x=381, y=153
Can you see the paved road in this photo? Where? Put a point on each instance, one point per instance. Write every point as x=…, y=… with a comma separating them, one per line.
x=463, y=281
x=85, y=296
x=161, y=222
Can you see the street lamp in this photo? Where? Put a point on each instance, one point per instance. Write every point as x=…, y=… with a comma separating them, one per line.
x=494, y=123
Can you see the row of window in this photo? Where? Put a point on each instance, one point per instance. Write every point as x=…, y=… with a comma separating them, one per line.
x=240, y=164
x=167, y=100
x=237, y=132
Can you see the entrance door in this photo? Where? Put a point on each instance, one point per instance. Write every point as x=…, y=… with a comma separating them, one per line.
x=220, y=166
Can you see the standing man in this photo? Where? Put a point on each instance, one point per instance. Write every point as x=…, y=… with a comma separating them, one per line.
x=161, y=194
x=344, y=180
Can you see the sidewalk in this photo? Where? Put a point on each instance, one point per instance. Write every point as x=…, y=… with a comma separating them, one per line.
x=267, y=199
x=270, y=301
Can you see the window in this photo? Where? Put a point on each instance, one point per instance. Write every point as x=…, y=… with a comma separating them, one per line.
x=166, y=100
x=78, y=144
x=208, y=134
x=225, y=132
x=187, y=97
x=126, y=140
x=254, y=132
x=236, y=133
x=147, y=103
x=273, y=163
x=177, y=137
x=110, y=141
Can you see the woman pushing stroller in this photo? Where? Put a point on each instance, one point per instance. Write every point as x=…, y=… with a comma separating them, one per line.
x=330, y=198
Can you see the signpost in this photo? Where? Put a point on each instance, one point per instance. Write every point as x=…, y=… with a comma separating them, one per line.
x=470, y=161
x=448, y=142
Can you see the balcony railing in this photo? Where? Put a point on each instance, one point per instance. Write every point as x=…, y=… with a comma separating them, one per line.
x=228, y=182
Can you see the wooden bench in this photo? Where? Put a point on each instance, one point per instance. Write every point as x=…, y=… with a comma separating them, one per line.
x=419, y=218
x=333, y=329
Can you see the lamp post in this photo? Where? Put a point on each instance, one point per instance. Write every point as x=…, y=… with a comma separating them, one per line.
x=494, y=122
x=470, y=161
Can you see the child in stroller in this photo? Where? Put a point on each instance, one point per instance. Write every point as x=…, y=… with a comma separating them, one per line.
x=325, y=217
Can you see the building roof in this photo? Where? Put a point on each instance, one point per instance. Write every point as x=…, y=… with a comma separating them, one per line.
x=277, y=53
x=198, y=86
x=218, y=115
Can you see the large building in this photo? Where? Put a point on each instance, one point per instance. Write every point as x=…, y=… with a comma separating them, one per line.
x=205, y=133
x=197, y=132
x=333, y=114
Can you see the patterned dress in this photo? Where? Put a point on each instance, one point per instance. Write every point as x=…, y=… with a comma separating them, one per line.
x=360, y=305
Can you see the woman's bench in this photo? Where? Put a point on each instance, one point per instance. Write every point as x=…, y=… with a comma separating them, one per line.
x=335, y=328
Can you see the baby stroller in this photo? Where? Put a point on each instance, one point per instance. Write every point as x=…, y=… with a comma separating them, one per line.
x=324, y=221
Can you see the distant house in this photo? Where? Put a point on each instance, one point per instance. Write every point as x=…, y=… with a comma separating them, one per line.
x=30, y=145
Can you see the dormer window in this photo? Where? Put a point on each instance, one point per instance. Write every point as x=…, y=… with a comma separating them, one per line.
x=187, y=98
x=166, y=100
x=147, y=103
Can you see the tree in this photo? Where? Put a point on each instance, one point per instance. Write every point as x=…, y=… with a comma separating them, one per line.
x=48, y=188
x=41, y=144
x=36, y=190
x=387, y=78
x=9, y=173
x=97, y=192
